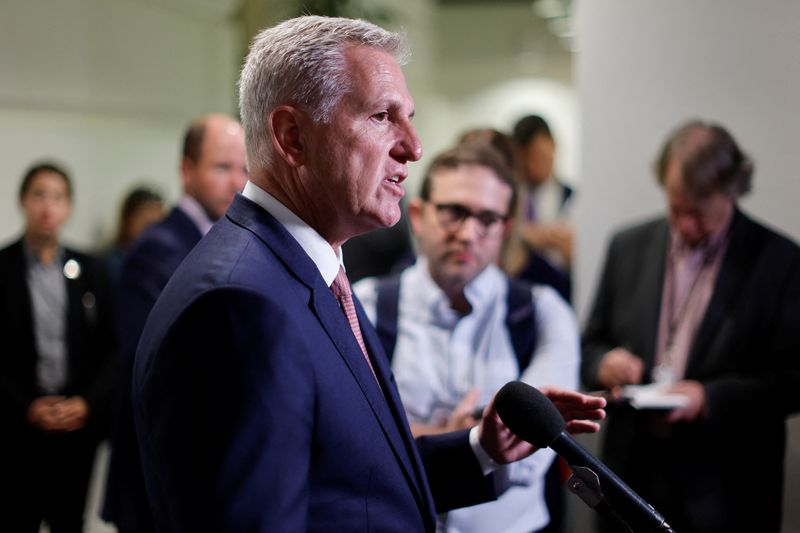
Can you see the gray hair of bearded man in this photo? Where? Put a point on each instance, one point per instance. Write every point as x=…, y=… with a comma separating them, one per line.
x=301, y=62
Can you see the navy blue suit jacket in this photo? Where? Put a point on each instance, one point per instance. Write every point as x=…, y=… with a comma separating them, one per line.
x=256, y=411
x=146, y=269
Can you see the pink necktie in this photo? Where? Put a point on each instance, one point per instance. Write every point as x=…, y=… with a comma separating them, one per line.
x=341, y=290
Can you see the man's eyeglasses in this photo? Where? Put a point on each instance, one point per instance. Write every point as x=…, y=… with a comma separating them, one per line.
x=453, y=216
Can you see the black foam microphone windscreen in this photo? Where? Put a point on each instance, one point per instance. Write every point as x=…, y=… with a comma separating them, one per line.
x=529, y=413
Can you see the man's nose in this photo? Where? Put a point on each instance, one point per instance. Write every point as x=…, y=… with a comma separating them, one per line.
x=469, y=230
x=409, y=147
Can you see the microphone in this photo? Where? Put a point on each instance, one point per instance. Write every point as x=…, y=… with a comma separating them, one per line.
x=531, y=416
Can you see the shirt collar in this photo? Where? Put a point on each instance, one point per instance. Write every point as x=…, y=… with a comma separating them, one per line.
x=32, y=259
x=708, y=247
x=478, y=292
x=327, y=259
x=196, y=213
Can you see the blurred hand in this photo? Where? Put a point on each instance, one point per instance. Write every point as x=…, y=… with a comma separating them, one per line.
x=697, y=401
x=40, y=412
x=559, y=236
x=577, y=409
x=620, y=367
x=534, y=235
x=462, y=416
x=58, y=414
x=556, y=236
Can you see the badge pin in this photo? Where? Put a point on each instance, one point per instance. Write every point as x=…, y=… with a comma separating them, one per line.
x=72, y=269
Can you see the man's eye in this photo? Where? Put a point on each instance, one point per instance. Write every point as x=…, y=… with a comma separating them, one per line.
x=456, y=212
x=488, y=219
x=382, y=116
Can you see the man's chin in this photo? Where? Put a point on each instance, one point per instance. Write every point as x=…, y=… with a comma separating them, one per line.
x=385, y=219
x=46, y=232
x=458, y=274
x=370, y=225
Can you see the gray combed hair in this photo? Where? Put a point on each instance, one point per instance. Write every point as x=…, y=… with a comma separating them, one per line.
x=301, y=62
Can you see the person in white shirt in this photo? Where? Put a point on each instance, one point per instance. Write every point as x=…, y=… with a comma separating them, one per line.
x=453, y=344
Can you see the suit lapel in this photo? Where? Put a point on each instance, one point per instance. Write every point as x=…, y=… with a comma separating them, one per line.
x=20, y=295
x=742, y=244
x=383, y=400
x=651, y=286
x=380, y=362
x=247, y=214
x=79, y=302
x=19, y=287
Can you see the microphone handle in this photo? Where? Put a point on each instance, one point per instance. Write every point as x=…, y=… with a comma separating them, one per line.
x=629, y=505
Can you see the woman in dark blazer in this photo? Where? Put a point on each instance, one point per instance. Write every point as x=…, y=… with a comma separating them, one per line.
x=55, y=385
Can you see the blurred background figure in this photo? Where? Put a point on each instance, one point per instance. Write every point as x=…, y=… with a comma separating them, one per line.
x=456, y=328
x=55, y=384
x=213, y=170
x=517, y=258
x=544, y=201
x=704, y=303
x=379, y=252
x=142, y=207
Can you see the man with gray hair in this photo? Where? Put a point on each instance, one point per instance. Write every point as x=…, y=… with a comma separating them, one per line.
x=262, y=399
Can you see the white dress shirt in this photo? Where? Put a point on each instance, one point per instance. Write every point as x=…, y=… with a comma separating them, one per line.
x=441, y=355
x=318, y=249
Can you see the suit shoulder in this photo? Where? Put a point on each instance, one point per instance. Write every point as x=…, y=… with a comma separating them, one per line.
x=638, y=233
x=773, y=241
x=10, y=249
x=10, y=261
x=229, y=257
x=173, y=231
x=163, y=246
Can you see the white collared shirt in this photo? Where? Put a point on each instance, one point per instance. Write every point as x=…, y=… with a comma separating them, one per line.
x=441, y=355
x=327, y=259
x=47, y=287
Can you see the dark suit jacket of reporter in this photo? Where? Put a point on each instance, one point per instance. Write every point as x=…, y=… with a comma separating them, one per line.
x=745, y=354
x=89, y=337
x=146, y=269
x=256, y=411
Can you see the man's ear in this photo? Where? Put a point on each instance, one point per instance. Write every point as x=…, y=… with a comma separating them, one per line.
x=415, y=215
x=285, y=123
x=508, y=226
x=187, y=172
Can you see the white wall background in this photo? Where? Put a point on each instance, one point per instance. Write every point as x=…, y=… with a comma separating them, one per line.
x=476, y=66
x=107, y=87
x=643, y=67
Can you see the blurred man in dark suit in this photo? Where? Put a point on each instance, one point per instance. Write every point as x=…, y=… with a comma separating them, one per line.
x=704, y=303
x=213, y=170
